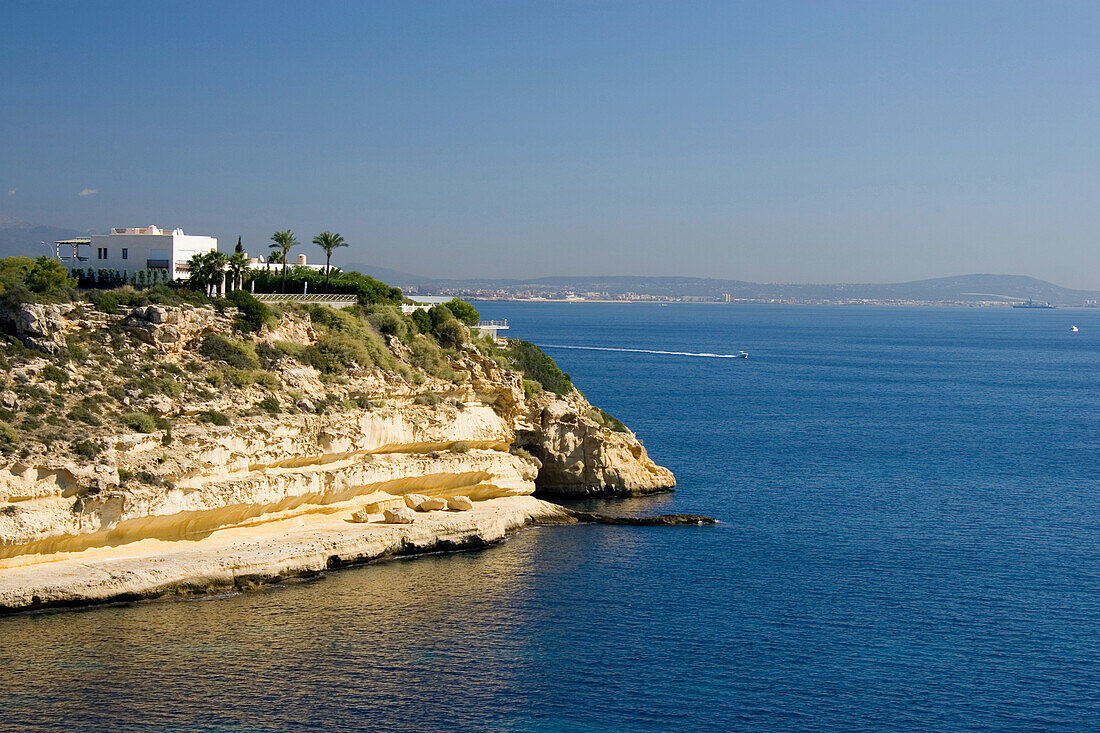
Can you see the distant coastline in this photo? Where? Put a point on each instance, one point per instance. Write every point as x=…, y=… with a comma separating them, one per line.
x=962, y=290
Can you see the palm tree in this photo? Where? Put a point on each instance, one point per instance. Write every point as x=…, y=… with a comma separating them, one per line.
x=284, y=240
x=328, y=242
x=218, y=263
x=199, y=271
x=238, y=266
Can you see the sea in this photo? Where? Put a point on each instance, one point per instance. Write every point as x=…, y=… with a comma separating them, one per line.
x=909, y=539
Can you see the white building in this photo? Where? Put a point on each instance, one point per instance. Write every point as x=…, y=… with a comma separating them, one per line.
x=258, y=263
x=128, y=250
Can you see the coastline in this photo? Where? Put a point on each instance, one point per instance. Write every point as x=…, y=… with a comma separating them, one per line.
x=241, y=559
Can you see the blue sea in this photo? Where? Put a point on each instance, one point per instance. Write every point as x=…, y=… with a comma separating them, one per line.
x=909, y=540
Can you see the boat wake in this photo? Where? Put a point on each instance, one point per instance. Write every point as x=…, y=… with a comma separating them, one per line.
x=740, y=355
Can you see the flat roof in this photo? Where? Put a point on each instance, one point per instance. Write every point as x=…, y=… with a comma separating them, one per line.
x=82, y=240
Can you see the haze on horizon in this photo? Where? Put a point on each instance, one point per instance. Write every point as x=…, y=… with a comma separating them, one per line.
x=760, y=141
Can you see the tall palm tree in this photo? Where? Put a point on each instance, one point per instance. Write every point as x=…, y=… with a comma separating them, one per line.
x=284, y=240
x=218, y=263
x=198, y=271
x=238, y=266
x=328, y=241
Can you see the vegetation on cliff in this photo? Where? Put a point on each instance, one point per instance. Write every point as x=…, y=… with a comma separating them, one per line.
x=78, y=366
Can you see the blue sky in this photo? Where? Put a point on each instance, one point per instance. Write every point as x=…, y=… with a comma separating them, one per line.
x=767, y=141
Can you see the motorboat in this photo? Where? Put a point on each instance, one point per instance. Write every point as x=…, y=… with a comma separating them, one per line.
x=1073, y=329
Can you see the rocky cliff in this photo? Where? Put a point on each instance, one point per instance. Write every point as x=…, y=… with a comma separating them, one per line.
x=167, y=423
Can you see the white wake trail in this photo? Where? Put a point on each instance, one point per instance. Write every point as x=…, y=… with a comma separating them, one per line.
x=644, y=351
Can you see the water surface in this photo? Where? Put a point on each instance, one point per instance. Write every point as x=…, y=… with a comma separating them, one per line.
x=910, y=502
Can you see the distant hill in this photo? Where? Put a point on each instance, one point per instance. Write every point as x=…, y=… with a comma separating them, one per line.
x=20, y=238
x=960, y=288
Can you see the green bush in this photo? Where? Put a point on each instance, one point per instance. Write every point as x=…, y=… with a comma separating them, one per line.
x=218, y=348
x=55, y=374
x=388, y=320
x=269, y=405
x=366, y=289
x=606, y=420
x=43, y=279
x=464, y=312
x=8, y=436
x=86, y=449
x=253, y=313
x=451, y=333
x=426, y=398
x=139, y=422
x=213, y=417
x=84, y=415
x=425, y=354
x=530, y=388
x=529, y=359
x=422, y=320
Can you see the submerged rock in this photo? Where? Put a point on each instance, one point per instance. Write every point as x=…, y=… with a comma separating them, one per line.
x=658, y=520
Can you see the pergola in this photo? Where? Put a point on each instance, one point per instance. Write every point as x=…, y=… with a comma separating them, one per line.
x=75, y=244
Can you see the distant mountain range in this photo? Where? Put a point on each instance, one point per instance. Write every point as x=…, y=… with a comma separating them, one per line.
x=957, y=289
x=21, y=238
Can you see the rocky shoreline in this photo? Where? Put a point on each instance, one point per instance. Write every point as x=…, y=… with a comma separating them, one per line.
x=240, y=560
x=285, y=468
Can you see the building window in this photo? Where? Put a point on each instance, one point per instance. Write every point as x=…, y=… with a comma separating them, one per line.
x=125, y=253
x=101, y=253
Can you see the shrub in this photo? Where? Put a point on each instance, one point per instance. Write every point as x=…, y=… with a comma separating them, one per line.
x=139, y=422
x=253, y=313
x=451, y=333
x=388, y=320
x=86, y=449
x=84, y=415
x=213, y=417
x=422, y=320
x=218, y=348
x=425, y=354
x=439, y=314
x=55, y=374
x=530, y=387
x=426, y=398
x=464, y=312
x=269, y=405
x=460, y=447
x=606, y=420
x=529, y=359
x=8, y=436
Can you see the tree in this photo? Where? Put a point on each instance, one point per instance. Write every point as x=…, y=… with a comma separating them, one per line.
x=199, y=272
x=238, y=266
x=219, y=261
x=284, y=240
x=239, y=249
x=328, y=241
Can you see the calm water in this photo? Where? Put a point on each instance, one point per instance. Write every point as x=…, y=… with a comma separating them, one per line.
x=911, y=540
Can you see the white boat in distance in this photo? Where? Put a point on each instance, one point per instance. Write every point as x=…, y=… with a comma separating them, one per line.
x=1073, y=329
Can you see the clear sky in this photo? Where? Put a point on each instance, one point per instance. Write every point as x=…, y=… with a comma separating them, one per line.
x=766, y=141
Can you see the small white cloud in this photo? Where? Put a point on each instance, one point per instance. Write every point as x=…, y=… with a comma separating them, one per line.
x=89, y=192
x=11, y=191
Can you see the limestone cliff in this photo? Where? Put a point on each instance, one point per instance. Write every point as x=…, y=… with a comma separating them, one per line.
x=163, y=423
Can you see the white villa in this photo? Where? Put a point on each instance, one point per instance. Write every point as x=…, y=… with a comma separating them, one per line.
x=131, y=249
